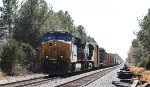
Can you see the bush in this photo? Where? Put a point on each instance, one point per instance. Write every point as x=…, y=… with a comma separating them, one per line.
x=16, y=58
x=148, y=64
x=28, y=49
x=143, y=62
x=11, y=55
x=30, y=60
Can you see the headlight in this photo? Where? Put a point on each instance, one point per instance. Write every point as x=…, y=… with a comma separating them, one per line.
x=46, y=57
x=61, y=56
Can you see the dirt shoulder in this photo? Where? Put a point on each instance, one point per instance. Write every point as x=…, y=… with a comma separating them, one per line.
x=139, y=70
x=2, y=76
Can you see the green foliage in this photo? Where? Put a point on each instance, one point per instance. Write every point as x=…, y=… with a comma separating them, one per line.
x=136, y=65
x=66, y=21
x=141, y=46
x=148, y=64
x=32, y=16
x=7, y=18
x=11, y=55
x=143, y=62
x=28, y=49
x=36, y=18
x=52, y=23
x=82, y=32
x=144, y=34
x=135, y=43
x=14, y=57
x=32, y=60
x=90, y=39
x=30, y=20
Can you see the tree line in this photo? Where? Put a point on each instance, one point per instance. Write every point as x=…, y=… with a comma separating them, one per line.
x=139, y=52
x=22, y=25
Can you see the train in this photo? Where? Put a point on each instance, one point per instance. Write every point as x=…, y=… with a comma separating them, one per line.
x=63, y=53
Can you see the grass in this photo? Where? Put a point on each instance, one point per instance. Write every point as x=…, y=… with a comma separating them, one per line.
x=2, y=76
x=139, y=70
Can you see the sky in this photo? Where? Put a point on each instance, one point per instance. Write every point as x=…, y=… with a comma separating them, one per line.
x=110, y=22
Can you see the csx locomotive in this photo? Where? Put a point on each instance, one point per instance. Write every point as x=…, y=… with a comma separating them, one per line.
x=63, y=53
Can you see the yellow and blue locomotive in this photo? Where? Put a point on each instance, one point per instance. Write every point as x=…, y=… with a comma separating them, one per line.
x=62, y=53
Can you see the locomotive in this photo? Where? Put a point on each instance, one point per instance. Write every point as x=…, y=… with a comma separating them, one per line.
x=63, y=53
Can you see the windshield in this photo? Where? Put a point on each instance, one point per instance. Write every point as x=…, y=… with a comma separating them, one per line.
x=57, y=37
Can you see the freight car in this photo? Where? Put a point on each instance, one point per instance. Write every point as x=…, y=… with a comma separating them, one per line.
x=63, y=53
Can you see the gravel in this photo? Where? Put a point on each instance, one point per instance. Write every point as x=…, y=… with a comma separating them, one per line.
x=106, y=80
x=10, y=79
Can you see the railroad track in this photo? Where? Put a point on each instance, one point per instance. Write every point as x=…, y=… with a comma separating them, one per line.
x=84, y=81
x=29, y=82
